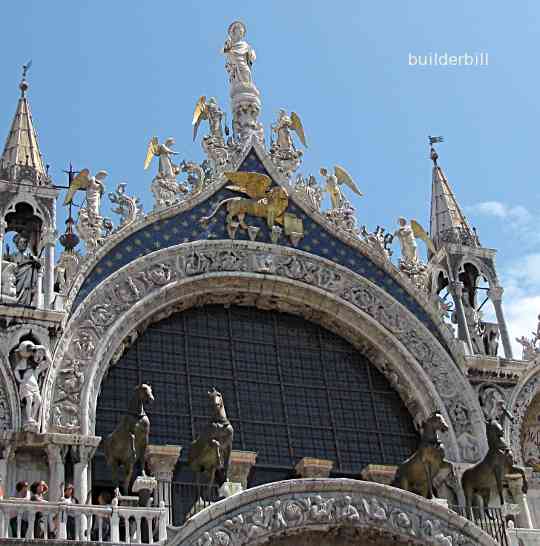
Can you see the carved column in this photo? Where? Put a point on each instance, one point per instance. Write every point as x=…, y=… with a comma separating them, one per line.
x=495, y=295
x=7, y=453
x=39, y=287
x=48, y=289
x=56, y=457
x=162, y=460
x=3, y=226
x=82, y=455
x=523, y=518
x=456, y=289
x=309, y=467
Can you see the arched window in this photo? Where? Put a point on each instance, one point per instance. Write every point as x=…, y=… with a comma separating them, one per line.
x=291, y=388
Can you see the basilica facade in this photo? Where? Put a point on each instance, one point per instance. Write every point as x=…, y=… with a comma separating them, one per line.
x=246, y=303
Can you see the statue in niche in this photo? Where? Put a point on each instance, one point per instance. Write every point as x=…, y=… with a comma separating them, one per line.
x=32, y=361
x=26, y=273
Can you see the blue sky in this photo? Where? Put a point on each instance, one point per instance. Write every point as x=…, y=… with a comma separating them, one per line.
x=108, y=75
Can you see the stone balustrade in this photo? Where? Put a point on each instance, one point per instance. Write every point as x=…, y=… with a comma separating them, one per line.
x=90, y=523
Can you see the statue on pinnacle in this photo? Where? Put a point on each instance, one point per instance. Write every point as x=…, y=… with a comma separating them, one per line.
x=245, y=97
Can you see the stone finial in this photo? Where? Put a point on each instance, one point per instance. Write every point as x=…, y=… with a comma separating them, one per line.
x=309, y=467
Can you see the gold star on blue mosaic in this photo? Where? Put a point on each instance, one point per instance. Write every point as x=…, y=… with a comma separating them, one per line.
x=138, y=242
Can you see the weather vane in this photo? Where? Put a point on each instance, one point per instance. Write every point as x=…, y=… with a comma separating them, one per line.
x=26, y=68
x=433, y=153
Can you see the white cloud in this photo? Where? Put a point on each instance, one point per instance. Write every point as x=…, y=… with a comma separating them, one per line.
x=521, y=300
x=515, y=218
x=516, y=214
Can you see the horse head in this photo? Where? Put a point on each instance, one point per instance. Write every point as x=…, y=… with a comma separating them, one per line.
x=216, y=399
x=435, y=423
x=144, y=393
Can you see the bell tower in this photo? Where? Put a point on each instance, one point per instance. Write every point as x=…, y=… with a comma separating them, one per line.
x=465, y=269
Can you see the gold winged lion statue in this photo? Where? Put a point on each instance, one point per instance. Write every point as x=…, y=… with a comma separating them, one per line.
x=263, y=202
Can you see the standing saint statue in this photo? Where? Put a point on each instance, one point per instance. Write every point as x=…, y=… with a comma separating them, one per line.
x=407, y=241
x=240, y=55
x=32, y=361
x=26, y=273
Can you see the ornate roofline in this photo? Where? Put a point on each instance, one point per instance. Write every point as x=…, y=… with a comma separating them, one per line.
x=428, y=304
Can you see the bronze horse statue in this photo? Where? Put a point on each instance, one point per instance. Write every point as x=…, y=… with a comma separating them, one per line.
x=489, y=473
x=417, y=473
x=211, y=451
x=127, y=443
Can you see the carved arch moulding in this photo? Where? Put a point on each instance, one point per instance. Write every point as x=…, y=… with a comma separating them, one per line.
x=271, y=277
x=327, y=506
x=523, y=396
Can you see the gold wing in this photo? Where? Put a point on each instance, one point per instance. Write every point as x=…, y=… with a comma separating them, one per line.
x=198, y=115
x=151, y=150
x=421, y=233
x=80, y=182
x=297, y=126
x=343, y=177
x=253, y=184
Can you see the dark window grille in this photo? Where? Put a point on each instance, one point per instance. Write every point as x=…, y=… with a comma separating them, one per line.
x=291, y=388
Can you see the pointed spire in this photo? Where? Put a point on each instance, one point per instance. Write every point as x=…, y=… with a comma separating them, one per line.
x=22, y=146
x=448, y=223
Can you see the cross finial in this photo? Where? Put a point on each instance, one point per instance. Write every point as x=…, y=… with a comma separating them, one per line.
x=433, y=153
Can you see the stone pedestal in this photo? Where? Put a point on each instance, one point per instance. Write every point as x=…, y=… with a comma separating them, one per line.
x=162, y=460
x=379, y=473
x=144, y=486
x=309, y=467
x=523, y=518
x=240, y=465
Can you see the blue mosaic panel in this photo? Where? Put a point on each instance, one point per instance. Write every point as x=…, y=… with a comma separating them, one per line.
x=185, y=228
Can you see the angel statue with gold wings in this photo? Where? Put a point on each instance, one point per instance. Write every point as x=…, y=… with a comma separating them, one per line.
x=166, y=168
x=407, y=235
x=334, y=183
x=94, y=190
x=211, y=112
x=283, y=127
x=91, y=226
